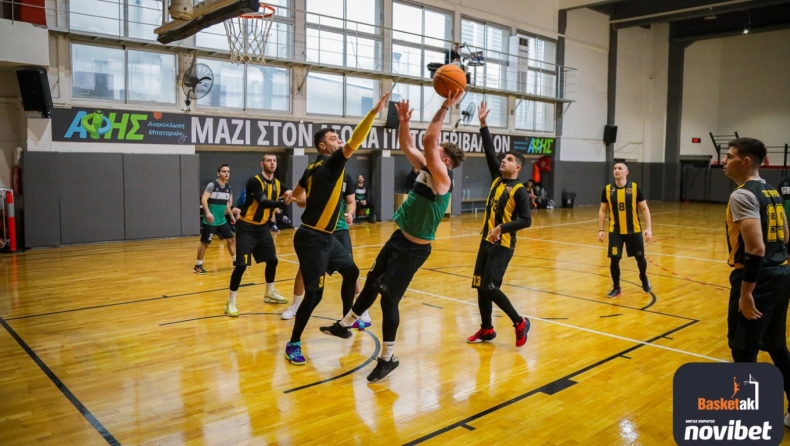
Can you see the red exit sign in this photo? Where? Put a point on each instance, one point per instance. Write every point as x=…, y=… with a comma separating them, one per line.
x=696, y=140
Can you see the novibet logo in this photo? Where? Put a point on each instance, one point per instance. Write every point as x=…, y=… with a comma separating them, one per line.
x=728, y=404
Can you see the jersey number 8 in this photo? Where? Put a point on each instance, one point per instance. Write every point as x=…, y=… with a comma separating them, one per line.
x=776, y=223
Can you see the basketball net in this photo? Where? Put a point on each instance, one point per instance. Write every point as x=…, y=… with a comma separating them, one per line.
x=247, y=35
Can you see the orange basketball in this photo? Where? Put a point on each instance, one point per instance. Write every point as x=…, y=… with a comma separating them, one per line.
x=447, y=79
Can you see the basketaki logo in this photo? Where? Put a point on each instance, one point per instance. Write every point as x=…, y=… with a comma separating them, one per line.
x=97, y=125
x=728, y=404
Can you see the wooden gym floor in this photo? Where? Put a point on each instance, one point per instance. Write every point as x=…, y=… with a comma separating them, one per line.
x=121, y=343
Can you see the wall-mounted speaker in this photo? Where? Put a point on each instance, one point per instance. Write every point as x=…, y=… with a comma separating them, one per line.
x=34, y=88
x=392, y=117
x=610, y=134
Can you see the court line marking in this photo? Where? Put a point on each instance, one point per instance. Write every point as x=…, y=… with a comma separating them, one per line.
x=550, y=388
x=595, y=301
x=588, y=330
x=136, y=301
x=95, y=423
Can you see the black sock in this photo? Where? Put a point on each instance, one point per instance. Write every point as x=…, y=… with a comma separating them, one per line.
x=235, y=277
x=501, y=301
x=310, y=301
x=271, y=271
x=486, y=307
x=614, y=268
x=781, y=359
x=642, y=264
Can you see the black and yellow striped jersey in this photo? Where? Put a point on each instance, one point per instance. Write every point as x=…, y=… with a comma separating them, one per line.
x=623, y=207
x=754, y=199
x=261, y=199
x=323, y=183
x=508, y=200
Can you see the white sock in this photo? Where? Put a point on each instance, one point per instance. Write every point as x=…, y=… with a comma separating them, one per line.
x=233, y=257
x=349, y=319
x=232, y=298
x=198, y=263
x=269, y=287
x=389, y=351
x=298, y=299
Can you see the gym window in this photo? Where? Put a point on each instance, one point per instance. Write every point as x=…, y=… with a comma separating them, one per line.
x=243, y=86
x=339, y=95
x=344, y=33
x=423, y=37
x=117, y=74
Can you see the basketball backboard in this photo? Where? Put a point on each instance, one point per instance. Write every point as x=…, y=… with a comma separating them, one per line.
x=202, y=16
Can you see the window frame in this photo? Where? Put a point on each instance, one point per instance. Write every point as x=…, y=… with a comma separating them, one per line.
x=347, y=33
x=422, y=46
x=344, y=106
x=125, y=50
x=503, y=62
x=245, y=80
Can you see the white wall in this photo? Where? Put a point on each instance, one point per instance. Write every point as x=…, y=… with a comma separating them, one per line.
x=737, y=84
x=658, y=78
x=587, y=50
x=754, y=93
x=632, y=98
x=701, y=84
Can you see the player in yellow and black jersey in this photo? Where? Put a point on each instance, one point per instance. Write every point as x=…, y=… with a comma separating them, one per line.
x=622, y=201
x=318, y=251
x=507, y=211
x=757, y=233
x=264, y=194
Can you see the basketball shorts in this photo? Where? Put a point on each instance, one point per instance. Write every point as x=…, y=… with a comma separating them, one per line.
x=771, y=297
x=319, y=252
x=207, y=232
x=344, y=238
x=254, y=241
x=490, y=267
x=634, y=244
x=396, y=264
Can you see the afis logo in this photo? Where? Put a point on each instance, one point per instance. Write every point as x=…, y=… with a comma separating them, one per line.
x=728, y=404
x=123, y=126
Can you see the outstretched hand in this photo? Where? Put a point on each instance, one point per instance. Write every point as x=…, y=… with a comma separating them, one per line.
x=404, y=112
x=482, y=113
x=380, y=105
x=453, y=97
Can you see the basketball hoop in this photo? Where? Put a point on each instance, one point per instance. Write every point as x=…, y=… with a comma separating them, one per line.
x=247, y=35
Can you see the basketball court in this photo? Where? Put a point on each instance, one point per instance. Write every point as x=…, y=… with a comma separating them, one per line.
x=120, y=343
x=159, y=363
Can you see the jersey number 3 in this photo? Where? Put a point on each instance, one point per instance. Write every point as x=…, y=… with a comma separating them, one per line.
x=776, y=223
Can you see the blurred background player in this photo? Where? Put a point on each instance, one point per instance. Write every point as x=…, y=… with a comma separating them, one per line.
x=216, y=201
x=623, y=200
x=264, y=194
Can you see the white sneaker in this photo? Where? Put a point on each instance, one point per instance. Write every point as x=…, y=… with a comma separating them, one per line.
x=787, y=419
x=273, y=298
x=230, y=310
x=365, y=318
x=290, y=312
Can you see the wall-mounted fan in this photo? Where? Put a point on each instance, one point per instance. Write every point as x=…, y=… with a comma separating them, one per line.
x=466, y=115
x=197, y=82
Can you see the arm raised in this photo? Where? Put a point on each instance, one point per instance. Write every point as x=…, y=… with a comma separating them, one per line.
x=405, y=138
x=433, y=152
